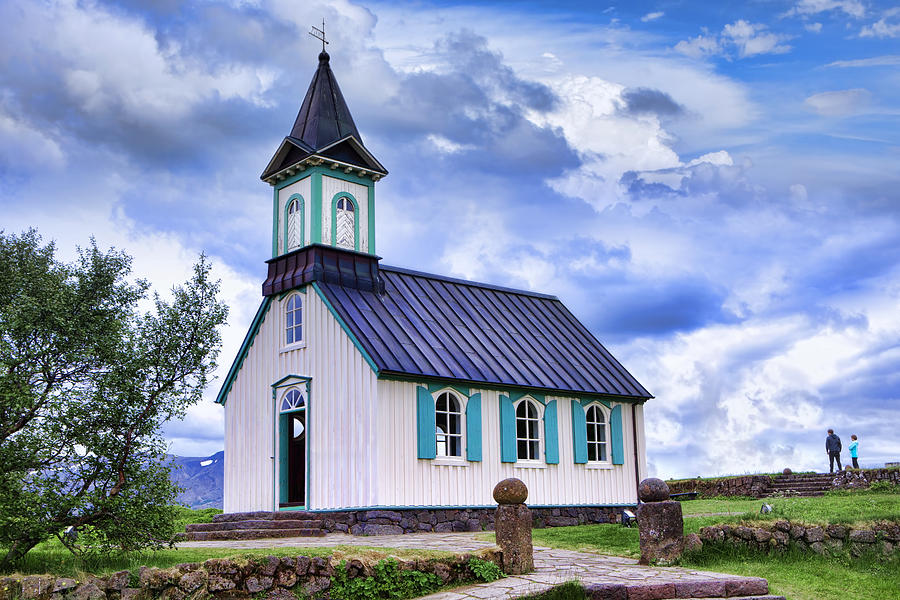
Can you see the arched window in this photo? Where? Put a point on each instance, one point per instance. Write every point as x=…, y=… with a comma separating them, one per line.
x=597, y=434
x=345, y=223
x=293, y=313
x=528, y=436
x=292, y=400
x=294, y=224
x=448, y=425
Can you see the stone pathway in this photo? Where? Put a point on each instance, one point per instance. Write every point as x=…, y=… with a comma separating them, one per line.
x=609, y=576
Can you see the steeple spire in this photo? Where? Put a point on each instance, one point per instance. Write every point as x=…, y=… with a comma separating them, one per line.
x=324, y=117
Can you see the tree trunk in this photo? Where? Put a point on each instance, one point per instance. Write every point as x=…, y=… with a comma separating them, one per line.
x=16, y=553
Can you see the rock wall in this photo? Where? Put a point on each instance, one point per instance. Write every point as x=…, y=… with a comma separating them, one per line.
x=757, y=486
x=863, y=478
x=270, y=577
x=881, y=538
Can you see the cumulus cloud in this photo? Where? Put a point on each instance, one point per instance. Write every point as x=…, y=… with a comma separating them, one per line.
x=839, y=103
x=886, y=27
x=649, y=101
x=742, y=37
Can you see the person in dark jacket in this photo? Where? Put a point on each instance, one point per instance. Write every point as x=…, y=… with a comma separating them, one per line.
x=833, y=448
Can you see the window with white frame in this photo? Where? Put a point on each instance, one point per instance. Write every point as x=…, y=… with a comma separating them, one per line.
x=293, y=313
x=345, y=223
x=528, y=436
x=448, y=425
x=292, y=400
x=597, y=434
x=294, y=224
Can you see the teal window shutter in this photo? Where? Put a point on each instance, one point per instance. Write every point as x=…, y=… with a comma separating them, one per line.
x=551, y=434
x=425, y=424
x=579, y=432
x=507, y=430
x=473, y=428
x=615, y=426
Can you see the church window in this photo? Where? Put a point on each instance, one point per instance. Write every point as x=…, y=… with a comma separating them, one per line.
x=597, y=434
x=448, y=425
x=528, y=437
x=293, y=313
x=292, y=400
x=345, y=223
x=294, y=224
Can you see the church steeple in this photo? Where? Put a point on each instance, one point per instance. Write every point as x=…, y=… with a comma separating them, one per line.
x=323, y=175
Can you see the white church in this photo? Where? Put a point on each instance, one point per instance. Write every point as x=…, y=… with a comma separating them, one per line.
x=361, y=386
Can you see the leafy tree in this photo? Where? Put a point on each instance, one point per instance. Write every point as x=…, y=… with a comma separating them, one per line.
x=86, y=381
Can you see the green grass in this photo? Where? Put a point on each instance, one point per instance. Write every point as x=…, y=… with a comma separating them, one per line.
x=568, y=591
x=185, y=516
x=56, y=560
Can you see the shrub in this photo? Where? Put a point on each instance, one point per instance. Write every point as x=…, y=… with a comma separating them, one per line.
x=388, y=582
x=485, y=570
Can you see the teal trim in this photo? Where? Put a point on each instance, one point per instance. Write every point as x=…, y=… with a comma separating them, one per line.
x=371, y=208
x=605, y=403
x=473, y=428
x=551, y=434
x=346, y=329
x=334, y=201
x=426, y=441
x=300, y=378
x=275, y=222
x=286, y=508
x=516, y=396
x=287, y=206
x=436, y=387
x=579, y=433
x=507, y=430
x=585, y=402
x=245, y=347
x=457, y=507
x=615, y=427
x=283, y=433
x=315, y=207
x=298, y=290
x=294, y=178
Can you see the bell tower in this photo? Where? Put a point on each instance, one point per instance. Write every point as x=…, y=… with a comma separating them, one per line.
x=322, y=175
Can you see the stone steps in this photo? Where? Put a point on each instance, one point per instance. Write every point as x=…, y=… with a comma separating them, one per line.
x=802, y=485
x=733, y=588
x=257, y=525
x=251, y=534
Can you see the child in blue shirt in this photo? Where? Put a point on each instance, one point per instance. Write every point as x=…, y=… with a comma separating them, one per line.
x=854, y=452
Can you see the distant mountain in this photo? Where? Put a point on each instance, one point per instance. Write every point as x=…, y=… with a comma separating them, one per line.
x=203, y=479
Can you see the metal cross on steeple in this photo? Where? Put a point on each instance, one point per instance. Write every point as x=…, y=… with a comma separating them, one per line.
x=319, y=34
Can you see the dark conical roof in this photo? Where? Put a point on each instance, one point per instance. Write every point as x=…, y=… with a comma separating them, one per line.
x=324, y=117
x=324, y=127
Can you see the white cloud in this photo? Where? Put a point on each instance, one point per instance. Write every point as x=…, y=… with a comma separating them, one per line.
x=853, y=8
x=747, y=39
x=881, y=28
x=839, y=103
x=652, y=16
x=25, y=147
x=813, y=27
x=888, y=60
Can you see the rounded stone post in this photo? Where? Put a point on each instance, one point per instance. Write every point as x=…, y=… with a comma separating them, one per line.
x=660, y=524
x=512, y=525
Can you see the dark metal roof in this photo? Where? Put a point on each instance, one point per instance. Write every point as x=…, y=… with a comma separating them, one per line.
x=437, y=327
x=324, y=117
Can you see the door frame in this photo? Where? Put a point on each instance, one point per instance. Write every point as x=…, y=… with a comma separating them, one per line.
x=280, y=462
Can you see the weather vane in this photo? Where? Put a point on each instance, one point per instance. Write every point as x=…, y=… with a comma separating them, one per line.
x=319, y=34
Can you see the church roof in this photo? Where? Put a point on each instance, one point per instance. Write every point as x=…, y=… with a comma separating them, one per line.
x=324, y=127
x=429, y=326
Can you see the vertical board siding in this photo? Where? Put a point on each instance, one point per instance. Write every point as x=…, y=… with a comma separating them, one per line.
x=405, y=480
x=301, y=187
x=332, y=186
x=341, y=421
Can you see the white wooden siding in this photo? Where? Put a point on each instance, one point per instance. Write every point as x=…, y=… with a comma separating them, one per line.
x=332, y=186
x=341, y=424
x=406, y=480
x=302, y=187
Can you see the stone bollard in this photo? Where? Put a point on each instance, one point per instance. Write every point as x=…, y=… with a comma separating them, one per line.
x=659, y=523
x=512, y=525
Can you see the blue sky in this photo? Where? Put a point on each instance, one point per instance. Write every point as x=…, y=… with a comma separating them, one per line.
x=711, y=187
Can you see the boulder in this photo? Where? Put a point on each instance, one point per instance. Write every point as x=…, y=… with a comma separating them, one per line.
x=510, y=491
x=653, y=490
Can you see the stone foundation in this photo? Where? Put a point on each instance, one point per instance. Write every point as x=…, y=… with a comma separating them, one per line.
x=756, y=486
x=400, y=521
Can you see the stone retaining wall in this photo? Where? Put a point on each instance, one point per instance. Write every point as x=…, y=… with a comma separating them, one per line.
x=268, y=577
x=757, y=486
x=863, y=478
x=882, y=538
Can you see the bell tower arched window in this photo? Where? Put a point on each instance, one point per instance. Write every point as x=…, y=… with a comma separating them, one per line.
x=293, y=315
x=345, y=223
x=294, y=224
